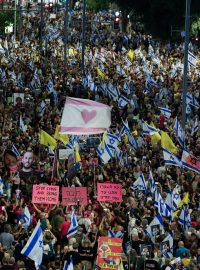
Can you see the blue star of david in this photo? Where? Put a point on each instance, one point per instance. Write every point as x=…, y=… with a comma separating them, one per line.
x=40, y=243
x=176, y=196
x=112, y=141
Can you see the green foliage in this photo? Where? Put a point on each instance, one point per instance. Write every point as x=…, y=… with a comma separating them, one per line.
x=195, y=27
x=6, y=18
x=159, y=15
x=98, y=4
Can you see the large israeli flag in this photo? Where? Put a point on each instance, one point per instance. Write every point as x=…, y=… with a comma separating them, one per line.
x=34, y=247
x=73, y=225
x=170, y=159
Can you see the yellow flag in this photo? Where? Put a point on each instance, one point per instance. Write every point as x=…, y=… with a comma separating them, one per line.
x=47, y=140
x=64, y=138
x=101, y=74
x=185, y=200
x=130, y=54
x=71, y=51
x=155, y=138
x=167, y=143
x=77, y=155
x=103, y=139
x=125, y=139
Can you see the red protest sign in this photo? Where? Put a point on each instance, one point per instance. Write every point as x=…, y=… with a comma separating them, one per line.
x=71, y=195
x=109, y=252
x=109, y=192
x=45, y=194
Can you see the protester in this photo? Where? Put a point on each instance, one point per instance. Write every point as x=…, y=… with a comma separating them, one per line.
x=141, y=80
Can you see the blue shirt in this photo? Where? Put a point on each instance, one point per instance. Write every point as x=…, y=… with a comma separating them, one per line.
x=180, y=251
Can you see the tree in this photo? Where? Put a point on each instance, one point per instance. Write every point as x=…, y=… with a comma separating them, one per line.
x=98, y=5
x=7, y=18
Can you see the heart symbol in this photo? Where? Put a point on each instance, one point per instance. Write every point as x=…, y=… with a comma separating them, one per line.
x=88, y=115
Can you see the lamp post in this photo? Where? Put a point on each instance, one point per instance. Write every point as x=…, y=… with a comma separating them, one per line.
x=66, y=23
x=83, y=39
x=187, y=35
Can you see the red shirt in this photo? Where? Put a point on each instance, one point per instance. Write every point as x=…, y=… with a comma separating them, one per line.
x=64, y=227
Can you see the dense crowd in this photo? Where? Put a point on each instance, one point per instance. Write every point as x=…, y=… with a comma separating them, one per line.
x=146, y=75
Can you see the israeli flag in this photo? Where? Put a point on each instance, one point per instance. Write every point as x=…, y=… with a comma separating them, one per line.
x=2, y=50
x=115, y=234
x=19, y=81
x=195, y=127
x=190, y=99
x=139, y=184
x=125, y=129
x=113, y=91
x=184, y=218
x=73, y=225
x=34, y=247
x=21, y=124
x=192, y=60
x=31, y=65
x=42, y=107
x=105, y=153
x=152, y=183
x=179, y=132
x=50, y=86
x=37, y=78
x=120, y=70
x=15, y=151
x=170, y=159
x=118, y=153
x=69, y=266
x=176, y=199
x=169, y=204
x=149, y=130
x=160, y=204
x=166, y=112
x=123, y=101
x=166, y=246
x=132, y=141
x=155, y=227
x=1, y=186
x=126, y=88
x=112, y=140
x=127, y=62
x=27, y=218
x=72, y=143
x=3, y=75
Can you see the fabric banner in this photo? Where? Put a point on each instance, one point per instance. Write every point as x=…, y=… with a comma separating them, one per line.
x=190, y=162
x=45, y=194
x=109, y=252
x=83, y=116
x=74, y=195
x=109, y=192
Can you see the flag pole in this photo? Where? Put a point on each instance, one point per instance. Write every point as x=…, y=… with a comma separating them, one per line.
x=187, y=36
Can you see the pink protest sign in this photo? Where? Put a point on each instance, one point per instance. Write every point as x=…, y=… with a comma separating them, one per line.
x=45, y=194
x=73, y=195
x=109, y=192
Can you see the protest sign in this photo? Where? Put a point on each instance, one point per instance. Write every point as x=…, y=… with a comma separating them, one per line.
x=64, y=153
x=45, y=194
x=73, y=195
x=109, y=252
x=109, y=192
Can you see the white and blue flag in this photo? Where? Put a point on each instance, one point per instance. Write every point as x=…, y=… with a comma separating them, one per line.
x=176, y=199
x=21, y=124
x=115, y=234
x=170, y=159
x=184, y=218
x=149, y=130
x=122, y=101
x=69, y=266
x=27, y=218
x=160, y=204
x=166, y=246
x=139, y=184
x=42, y=107
x=104, y=152
x=50, y=86
x=112, y=140
x=166, y=112
x=169, y=204
x=195, y=127
x=15, y=150
x=155, y=227
x=191, y=100
x=34, y=247
x=152, y=182
x=73, y=225
x=179, y=132
x=192, y=60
